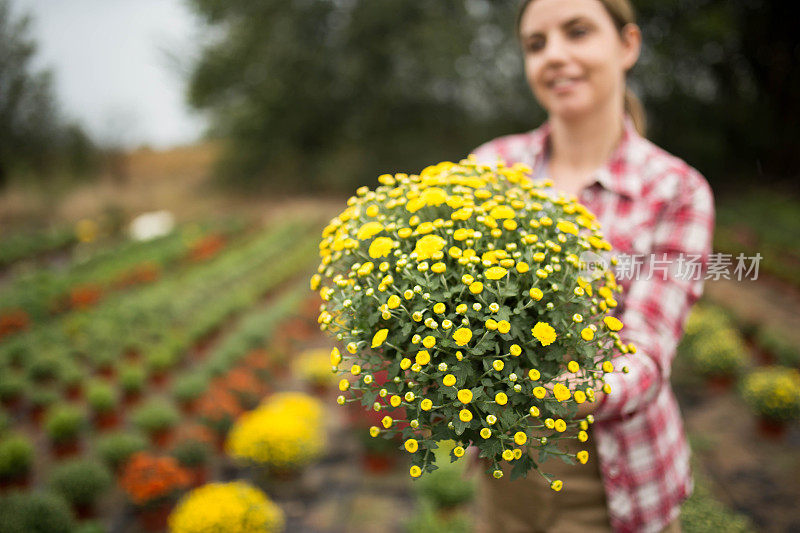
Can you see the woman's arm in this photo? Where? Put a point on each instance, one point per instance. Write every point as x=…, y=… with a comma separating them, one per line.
x=655, y=309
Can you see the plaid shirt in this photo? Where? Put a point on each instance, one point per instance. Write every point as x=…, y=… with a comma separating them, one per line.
x=648, y=202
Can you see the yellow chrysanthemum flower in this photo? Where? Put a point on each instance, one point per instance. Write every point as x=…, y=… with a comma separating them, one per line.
x=428, y=245
x=464, y=396
x=380, y=247
x=612, y=323
x=544, y=333
x=379, y=337
x=336, y=356
x=561, y=392
x=465, y=415
x=462, y=336
x=369, y=230
x=423, y=357
x=495, y=273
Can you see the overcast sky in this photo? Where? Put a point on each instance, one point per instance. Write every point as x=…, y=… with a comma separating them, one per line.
x=111, y=66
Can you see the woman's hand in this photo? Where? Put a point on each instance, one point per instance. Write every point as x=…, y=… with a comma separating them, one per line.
x=571, y=381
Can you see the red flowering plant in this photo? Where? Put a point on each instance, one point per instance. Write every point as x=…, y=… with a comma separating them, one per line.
x=218, y=409
x=244, y=384
x=206, y=248
x=151, y=479
x=12, y=321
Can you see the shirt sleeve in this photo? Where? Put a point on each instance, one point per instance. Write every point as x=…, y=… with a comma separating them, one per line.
x=655, y=309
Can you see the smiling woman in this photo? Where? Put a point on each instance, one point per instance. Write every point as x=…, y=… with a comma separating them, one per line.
x=577, y=54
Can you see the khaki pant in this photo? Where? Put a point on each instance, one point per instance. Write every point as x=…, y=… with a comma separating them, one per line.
x=530, y=505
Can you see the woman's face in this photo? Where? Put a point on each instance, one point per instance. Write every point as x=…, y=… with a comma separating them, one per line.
x=575, y=59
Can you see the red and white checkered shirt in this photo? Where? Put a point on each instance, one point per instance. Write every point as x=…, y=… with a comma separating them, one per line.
x=652, y=204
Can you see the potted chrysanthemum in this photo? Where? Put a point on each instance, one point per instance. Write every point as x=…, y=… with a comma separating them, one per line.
x=467, y=285
x=773, y=394
x=283, y=435
x=232, y=507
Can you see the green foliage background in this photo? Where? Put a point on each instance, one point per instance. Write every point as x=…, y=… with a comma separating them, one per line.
x=35, y=138
x=326, y=94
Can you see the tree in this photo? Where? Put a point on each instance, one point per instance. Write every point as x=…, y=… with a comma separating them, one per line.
x=33, y=137
x=340, y=91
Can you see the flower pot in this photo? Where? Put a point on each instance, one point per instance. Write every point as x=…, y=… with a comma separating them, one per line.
x=770, y=428
x=160, y=439
x=159, y=378
x=106, y=421
x=62, y=450
x=188, y=408
x=219, y=444
x=375, y=463
x=37, y=414
x=106, y=372
x=12, y=403
x=20, y=482
x=131, y=398
x=74, y=392
x=199, y=475
x=320, y=391
x=154, y=517
x=84, y=511
x=719, y=384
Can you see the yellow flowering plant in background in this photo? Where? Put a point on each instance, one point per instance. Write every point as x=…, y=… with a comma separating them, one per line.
x=465, y=284
x=232, y=507
x=773, y=393
x=313, y=367
x=285, y=432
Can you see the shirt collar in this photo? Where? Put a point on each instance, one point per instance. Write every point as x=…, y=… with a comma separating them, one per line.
x=616, y=174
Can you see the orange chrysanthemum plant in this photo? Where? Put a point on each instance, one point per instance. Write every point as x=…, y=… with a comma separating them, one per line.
x=148, y=479
x=468, y=286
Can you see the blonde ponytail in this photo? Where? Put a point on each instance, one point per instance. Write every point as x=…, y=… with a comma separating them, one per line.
x=634, y=108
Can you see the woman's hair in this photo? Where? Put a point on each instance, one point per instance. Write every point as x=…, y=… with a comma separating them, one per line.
x=622, y=13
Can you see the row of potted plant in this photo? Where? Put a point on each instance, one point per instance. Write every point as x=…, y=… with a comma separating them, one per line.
x=716, y=350
x=68, y=424
x=42, y=292
x=24, y=244
x=165, y=328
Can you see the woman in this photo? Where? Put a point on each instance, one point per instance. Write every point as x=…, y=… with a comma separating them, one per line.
x=658, y=214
